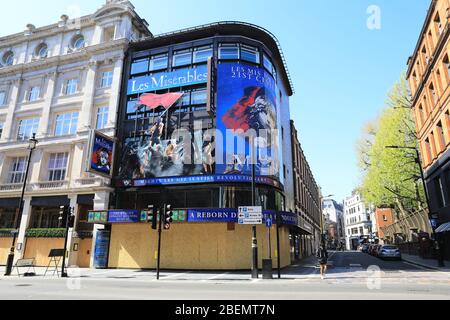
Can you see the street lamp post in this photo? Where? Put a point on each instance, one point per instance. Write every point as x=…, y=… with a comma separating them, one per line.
x=422, y=176
x=255, y=272
x=32, y=143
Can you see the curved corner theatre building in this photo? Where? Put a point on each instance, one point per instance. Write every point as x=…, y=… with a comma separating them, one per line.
x=193, y=104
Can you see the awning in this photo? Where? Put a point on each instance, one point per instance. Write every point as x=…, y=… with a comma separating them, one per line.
x=443, y=228
x=50, y=201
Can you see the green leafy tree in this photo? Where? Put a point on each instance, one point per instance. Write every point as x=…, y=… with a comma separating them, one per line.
x=391, y=177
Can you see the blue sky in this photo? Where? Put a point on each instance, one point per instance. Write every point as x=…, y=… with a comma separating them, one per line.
x=341, y=70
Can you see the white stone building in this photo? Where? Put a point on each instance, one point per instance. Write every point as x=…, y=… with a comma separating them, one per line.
x=359, y=219
x=59, y=82
x=333, y=219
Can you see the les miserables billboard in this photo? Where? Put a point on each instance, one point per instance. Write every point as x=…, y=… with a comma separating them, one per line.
x=100, y=160
x=246, y=101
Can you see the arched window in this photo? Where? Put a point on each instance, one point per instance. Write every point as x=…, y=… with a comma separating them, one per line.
x=8, y=58
x=78, y=42
x=41, y=51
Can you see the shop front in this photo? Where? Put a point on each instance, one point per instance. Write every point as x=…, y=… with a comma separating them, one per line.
x=199, y=239
x=9, y=221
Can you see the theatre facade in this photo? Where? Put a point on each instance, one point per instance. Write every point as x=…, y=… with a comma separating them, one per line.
x=194, y=104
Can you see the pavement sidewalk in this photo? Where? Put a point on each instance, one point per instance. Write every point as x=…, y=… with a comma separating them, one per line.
x=426, y=263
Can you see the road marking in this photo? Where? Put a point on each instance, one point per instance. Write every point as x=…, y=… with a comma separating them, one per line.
x=177, y=275
x=215, y=277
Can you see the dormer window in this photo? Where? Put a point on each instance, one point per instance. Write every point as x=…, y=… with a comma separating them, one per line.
x=78, y=42
x=41, y=51
x=8, y=58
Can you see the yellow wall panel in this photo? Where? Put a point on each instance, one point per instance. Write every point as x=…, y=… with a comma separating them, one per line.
x=39, y=248
x=5, y=248
x=193, y=246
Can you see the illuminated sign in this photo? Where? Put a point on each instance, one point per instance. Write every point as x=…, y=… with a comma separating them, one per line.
x=98, y=217
x=167, y=80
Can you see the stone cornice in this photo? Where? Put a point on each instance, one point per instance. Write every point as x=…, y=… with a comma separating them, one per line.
x=44, y=32
x=84, y=54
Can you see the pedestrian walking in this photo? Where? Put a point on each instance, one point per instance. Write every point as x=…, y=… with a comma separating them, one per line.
x=322, y=256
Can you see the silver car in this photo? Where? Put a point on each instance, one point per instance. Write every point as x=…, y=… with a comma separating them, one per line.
x=389, y=251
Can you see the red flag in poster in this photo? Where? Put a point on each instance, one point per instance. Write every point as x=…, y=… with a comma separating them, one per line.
x=154, y=101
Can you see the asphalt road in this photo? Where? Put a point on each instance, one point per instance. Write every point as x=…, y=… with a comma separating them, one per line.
x=352, y=275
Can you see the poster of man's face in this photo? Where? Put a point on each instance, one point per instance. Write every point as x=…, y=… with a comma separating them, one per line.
x=102, y=155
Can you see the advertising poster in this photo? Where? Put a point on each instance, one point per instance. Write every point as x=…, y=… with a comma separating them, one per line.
x=158, y=154
x=102, y=150
x=247, y=107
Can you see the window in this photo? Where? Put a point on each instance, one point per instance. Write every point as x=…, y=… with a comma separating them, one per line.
x=9, y=218
x=34, y=94
x=27, y=128
x=250, y=54
x=447, y=119
x=438, y=24
x=202, y=54
x=41, y=51
x=107, y=78
x=66, y=124
x=8, y=58
x=17, y=171
x=159, y=62
x=108, y=34
x=416, y=79
x=72, y=87
x=102, y=117
x=139, y=66
x=440, y=132
x=185, y=99
x=199, y=97
x=229, y=52
x=447, y=66
x=1, y=129
x=385, y=218
x=425, y=55
x=433, y=94
x=421, y=114
x=428, y=150
x=439, y=192
x=2, y=98
x=78, y=42
x=57, y=166
x=433, y=144
x=182, y=58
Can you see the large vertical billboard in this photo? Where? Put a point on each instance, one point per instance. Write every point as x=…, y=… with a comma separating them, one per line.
x=246, y=117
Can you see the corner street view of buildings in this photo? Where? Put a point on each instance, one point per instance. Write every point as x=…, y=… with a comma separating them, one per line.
x=100, y=72
x=199, y=119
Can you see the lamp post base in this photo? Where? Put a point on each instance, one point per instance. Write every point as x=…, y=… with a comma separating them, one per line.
x=9, y=264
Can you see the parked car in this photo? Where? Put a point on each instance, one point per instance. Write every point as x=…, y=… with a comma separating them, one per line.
x=389, y=252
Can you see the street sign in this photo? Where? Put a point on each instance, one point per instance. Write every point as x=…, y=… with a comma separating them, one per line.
x=269, y=222
x=250, y=215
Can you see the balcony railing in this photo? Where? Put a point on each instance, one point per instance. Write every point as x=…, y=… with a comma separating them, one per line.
x=11, y=187
x=84, y=182
x=50, y=185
